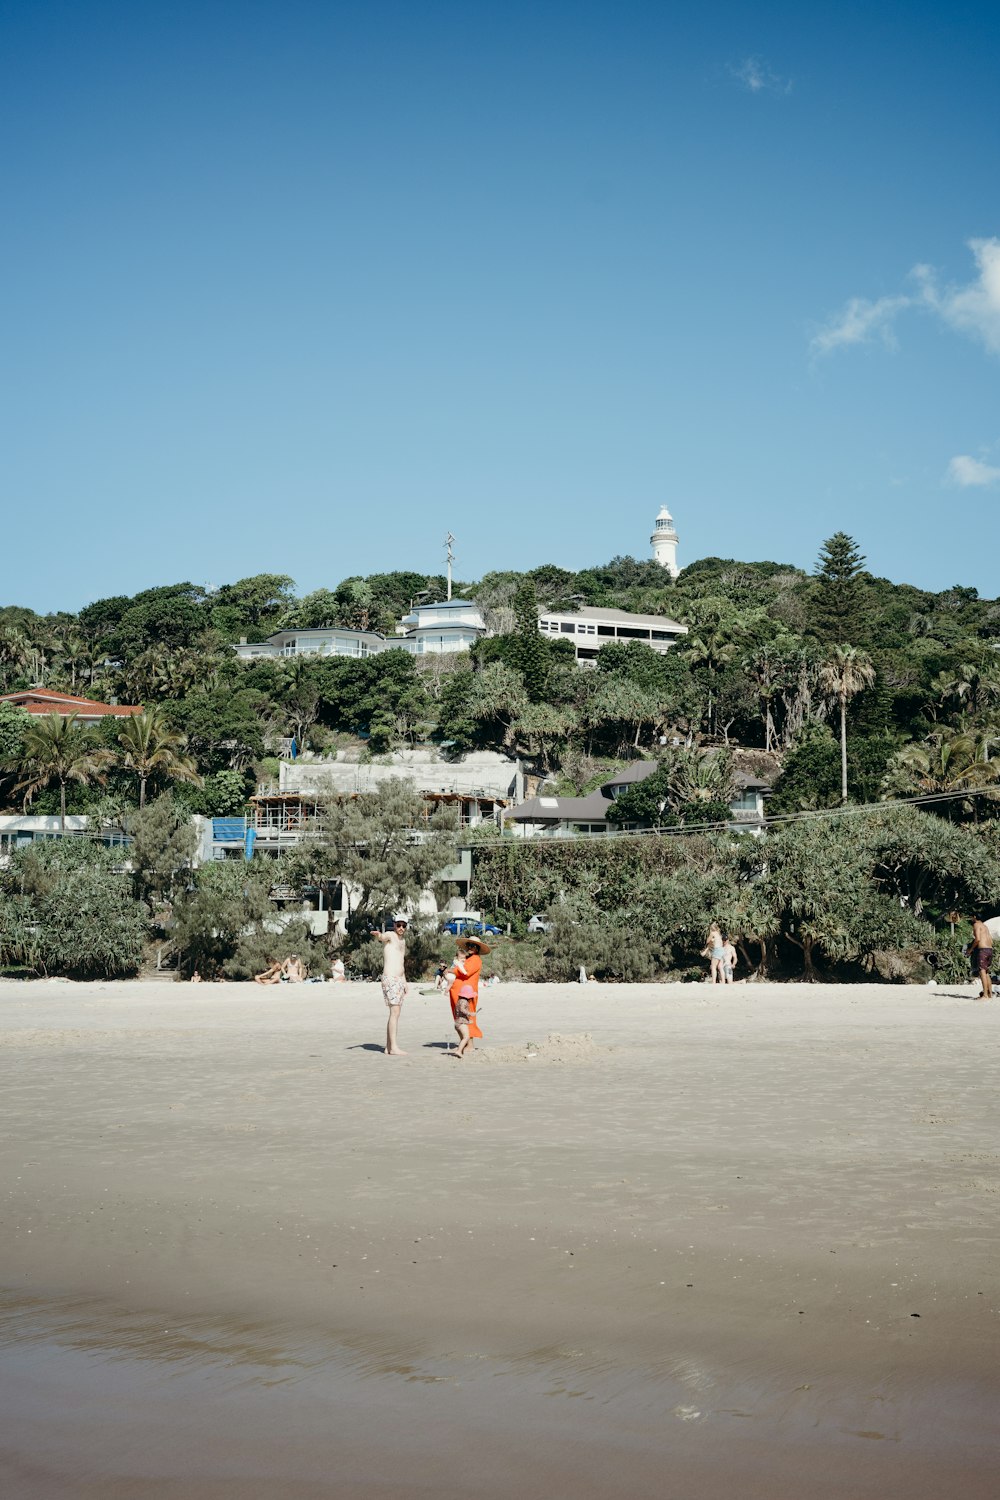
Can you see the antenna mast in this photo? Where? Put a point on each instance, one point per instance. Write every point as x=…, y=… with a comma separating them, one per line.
x=450, y=555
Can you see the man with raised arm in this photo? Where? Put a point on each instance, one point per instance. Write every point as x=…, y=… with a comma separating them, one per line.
x=394, y=986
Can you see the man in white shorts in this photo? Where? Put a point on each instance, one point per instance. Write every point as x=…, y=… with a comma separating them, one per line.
x=394, y=985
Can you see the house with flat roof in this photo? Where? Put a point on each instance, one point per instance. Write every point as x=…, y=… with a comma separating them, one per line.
x=41, y=701
x=326, y=640
x=590, y=628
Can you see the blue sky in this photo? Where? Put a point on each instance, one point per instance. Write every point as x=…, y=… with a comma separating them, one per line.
x=300, y=287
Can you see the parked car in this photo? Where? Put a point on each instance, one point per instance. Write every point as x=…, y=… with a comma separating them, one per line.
x=537, y=924
x=459, y=926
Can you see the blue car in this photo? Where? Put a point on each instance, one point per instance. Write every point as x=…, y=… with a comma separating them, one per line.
x=459, y=926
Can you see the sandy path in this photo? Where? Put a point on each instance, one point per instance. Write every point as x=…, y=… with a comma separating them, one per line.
x=747, y=1233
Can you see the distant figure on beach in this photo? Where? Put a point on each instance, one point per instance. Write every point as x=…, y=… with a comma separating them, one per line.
x=730, y=958
x=337, y=971
x=196, y=977
x=981, y=956
x=464, y=992
x=270, y=975
x=394, y=986
x=715, y=951
x=293, y=970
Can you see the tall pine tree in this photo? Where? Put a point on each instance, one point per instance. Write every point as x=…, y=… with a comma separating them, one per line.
x=840, y=610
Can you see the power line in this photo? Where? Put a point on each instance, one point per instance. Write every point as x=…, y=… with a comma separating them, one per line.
x=924, y=799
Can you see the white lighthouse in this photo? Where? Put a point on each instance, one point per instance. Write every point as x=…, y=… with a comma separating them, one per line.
x=664, y=542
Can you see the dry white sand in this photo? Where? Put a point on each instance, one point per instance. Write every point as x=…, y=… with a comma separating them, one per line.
x=659, y=1240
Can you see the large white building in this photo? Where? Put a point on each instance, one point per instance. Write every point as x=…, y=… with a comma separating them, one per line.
x=590, y=629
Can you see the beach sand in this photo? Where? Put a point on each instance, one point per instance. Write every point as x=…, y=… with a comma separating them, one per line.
x=661, y=1241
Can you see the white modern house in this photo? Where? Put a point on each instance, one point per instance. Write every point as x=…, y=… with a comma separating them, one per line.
x=327, y=640
x=590, y=629
x=433, y=629
x=428, y=629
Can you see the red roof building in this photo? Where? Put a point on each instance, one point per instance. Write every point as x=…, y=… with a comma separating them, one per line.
x=43, y=701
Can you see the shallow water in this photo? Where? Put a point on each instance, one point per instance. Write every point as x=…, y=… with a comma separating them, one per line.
x=100, y=1402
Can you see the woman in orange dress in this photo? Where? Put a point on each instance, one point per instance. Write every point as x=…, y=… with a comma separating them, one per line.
x=464, y=992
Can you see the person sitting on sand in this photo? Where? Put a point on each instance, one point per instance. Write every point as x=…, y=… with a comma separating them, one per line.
x=981, y=956
x=270, y=975
x=394, y=985
x=196, y=977
x=337, y=971
x=293, y=969
x=464, y=992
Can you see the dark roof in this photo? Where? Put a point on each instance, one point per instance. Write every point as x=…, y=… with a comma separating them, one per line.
x=590, y=809
x=635, y=771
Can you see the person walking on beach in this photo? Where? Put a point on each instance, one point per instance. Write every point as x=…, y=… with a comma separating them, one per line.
x=715, y=951
x=394, y=986
x=464, y=992
x=981, y=956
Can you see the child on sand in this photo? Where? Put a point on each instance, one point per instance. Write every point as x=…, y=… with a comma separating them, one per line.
x=730, y=959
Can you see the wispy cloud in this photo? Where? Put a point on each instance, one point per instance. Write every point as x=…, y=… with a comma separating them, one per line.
x=759, y=77
x=859, y=322
x=972, y=308
x=966, y=471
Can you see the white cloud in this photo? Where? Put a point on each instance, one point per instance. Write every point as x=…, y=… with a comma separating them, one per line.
x=859, y=322
x=972, y=309
x=966, y=471
x=757, y=76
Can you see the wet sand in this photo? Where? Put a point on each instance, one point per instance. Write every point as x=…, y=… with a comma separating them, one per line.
x=700, y=1243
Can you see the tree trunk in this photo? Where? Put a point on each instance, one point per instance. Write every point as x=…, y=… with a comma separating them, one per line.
x=843, y=750
x=809, y=971
x=62, y=807
x=142, y=792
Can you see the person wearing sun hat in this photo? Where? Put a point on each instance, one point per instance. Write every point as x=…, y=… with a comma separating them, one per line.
x=464, y=992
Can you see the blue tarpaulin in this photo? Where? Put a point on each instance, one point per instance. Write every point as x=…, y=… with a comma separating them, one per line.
x=248, y=843
x=229, y=830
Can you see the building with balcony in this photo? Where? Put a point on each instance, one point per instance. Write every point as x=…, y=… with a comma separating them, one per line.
x=590, y=629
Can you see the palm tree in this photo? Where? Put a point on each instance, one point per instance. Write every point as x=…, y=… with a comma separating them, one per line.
x=952, y=761
x=150, y=746
x=58, y=749
x=14, y=651
x=846, y=671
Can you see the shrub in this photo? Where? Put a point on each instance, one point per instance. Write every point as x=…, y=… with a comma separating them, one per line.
x=67, y=909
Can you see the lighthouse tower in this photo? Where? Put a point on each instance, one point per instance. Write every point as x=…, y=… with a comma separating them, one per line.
x=664, y=542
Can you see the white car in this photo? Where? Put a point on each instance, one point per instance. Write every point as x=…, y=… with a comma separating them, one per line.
x=537, y=924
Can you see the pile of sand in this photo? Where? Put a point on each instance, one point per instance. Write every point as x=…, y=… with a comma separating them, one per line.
x=556, y=1049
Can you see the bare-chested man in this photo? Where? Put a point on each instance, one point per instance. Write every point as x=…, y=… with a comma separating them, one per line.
x=981, y=956
x=394, y=986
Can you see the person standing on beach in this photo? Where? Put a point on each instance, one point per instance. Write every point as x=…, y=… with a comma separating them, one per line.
x=715, y=950
x=981, y=956
x=730, y=958
x=464, y=992
x=394, y=986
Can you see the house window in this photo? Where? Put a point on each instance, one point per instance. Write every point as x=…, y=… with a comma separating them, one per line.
x=605, y=630
x=567, y=628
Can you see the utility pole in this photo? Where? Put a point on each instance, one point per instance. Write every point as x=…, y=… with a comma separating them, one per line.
x=450, y=555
